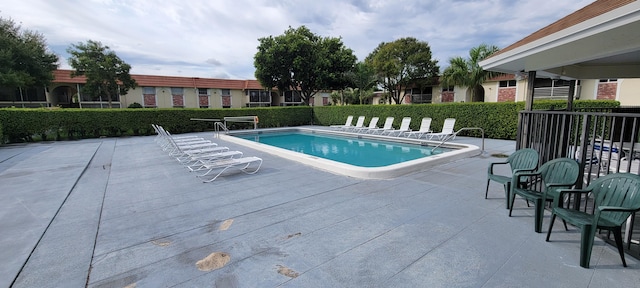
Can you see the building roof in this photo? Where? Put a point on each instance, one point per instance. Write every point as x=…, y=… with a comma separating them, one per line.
x=598, y=41
x=592, y=10
x=64, y=76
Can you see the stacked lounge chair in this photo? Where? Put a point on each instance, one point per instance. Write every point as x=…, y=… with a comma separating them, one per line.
x=200, y=155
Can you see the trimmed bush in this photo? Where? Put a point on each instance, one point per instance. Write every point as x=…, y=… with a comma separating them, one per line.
x=499, y=120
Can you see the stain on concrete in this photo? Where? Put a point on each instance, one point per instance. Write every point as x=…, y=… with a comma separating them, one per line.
x=132, y=285
x=214, y=261
x=161, y=243
x=287, y=272
x=225, y=225
x=294, y=235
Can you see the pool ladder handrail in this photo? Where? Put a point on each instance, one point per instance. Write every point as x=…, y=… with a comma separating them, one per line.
x=456, y=133
x=218, y=126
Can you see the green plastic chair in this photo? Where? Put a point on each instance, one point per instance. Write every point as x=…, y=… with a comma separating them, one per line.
x=615, y=197
x=521, y=160
x=559, y=173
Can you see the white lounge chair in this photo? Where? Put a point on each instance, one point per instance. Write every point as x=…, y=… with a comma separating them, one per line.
x=194, y=162
x=359, y=125
x=404, y=127
x=388, y=126
x=373, y=124
x=217, y=167
x=425, y=127
x=347, y=124
x=182, y=153
x=447, y=130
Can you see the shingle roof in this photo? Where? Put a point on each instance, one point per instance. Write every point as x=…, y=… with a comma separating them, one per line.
x=592, y=10
x=64, y=76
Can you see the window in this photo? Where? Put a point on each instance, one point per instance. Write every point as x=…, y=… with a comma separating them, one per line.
x=177, y=97
x=447, y=89
x=23, y=94
x=149, y=90
x=259, y=96
x=508, y=83
x=551, y=88
x=225, y=92
x=419, y=96
x=149, y=97
x=292, y=97
x=203, y=97
x=176, y=91
x=608, y=80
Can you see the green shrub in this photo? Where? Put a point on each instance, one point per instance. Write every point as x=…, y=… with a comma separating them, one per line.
x=135, y=105
x=499, y=120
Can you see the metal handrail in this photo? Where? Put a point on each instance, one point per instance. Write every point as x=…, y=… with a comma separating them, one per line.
x=218, y=126
x=456, y=133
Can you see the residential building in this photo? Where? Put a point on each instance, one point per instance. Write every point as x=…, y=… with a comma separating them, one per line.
x=156, y=92
x=510, y=87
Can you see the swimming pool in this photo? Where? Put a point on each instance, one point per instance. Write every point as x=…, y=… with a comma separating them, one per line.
x=356, y=155
x=345, y=149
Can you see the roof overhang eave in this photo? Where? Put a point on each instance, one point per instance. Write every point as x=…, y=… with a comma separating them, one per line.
x=603, y=36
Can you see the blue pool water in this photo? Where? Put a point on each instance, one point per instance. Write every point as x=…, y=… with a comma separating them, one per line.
x=349, y=150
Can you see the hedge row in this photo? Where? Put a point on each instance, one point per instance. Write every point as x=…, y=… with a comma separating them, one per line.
x=499, y=120
x=24, y=125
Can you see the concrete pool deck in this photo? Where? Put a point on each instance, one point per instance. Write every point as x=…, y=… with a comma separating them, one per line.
x=118, y=212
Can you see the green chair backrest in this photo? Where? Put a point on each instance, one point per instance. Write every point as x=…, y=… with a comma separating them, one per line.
x=526, y=158
x=560, y=171
x=617, y=190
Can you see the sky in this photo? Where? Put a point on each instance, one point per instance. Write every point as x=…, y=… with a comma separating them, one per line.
x=218, y=38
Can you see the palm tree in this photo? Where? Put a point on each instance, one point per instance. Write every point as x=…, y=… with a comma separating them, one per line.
x=364, y=79
x=468, y=73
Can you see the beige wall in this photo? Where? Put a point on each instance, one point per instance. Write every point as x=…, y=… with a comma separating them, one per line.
x=629, y=91
x=164, y=97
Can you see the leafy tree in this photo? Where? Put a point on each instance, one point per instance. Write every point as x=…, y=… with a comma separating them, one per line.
x=401, y=64
x=107, y=75
x=24, y=58
x=364, y=79
x=468, y=73
x=302, y=61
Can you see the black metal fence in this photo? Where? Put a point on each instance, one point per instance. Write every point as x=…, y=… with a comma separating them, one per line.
x=603, y=141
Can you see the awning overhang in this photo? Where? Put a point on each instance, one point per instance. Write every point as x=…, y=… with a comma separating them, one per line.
x=606, y=46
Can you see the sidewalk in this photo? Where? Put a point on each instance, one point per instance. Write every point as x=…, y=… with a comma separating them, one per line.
x=115, y=212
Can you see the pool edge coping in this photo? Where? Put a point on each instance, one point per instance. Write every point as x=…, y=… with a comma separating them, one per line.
x=384, y=172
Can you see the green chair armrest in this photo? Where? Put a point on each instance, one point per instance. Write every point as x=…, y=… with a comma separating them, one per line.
x=561, y=192
x=490, y=169
x=615, y=208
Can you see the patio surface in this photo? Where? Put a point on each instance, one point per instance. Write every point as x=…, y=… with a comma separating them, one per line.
x=119, y=212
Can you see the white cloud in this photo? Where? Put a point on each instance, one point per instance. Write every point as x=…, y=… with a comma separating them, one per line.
x=203, y=38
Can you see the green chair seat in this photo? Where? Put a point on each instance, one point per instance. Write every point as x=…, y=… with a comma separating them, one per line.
x=521, y=160
x=615, y=197
x=560, y=173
